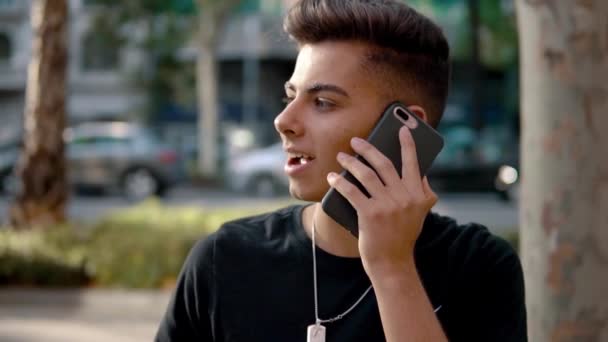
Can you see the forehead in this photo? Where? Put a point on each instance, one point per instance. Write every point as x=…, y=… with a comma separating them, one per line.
x=339, y=63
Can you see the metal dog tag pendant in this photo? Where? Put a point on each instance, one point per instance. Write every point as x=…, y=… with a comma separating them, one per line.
x=316, y=333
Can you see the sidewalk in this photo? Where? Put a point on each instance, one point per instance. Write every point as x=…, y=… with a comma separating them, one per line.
x=76, y=315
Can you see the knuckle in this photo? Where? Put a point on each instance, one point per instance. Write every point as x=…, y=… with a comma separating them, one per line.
x=347, y=187
x=385, y=164
x=368, y=175
x=406, y=204
x=364, y=147
x=346, y=161
x=337, y=182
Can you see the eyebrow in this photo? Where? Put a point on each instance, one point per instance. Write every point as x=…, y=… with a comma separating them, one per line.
x=319, y=87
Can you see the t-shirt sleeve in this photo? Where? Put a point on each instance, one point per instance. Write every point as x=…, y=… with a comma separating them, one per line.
x=497, y=297
x=187, y=316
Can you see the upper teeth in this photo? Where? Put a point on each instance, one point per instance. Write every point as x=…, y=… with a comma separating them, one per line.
x=301, y=156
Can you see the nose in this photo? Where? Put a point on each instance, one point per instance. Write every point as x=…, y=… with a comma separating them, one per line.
x=288, y=123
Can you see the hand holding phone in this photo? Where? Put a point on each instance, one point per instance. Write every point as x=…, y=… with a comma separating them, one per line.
x=385, y=137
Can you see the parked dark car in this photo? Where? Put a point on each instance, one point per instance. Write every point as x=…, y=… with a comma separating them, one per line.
x=474, y=161
x=9, y=152
x=117, y=156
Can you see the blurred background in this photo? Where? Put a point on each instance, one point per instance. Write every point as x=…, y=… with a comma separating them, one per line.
x=132, y=91
x=135, y=155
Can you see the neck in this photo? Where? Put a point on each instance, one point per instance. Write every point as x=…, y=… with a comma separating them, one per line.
x=329, y=235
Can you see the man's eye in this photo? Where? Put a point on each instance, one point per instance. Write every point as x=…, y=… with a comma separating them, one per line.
x=287, y=100
x=323, y=104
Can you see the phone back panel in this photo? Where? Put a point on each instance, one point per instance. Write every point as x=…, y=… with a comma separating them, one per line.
x=385, y=137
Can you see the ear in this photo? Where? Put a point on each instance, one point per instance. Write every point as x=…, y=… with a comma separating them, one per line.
x=420, y=112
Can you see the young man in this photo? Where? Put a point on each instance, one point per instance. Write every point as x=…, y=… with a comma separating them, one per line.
x=295, y=274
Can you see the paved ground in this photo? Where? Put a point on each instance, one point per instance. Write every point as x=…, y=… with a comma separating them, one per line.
x=80, y=315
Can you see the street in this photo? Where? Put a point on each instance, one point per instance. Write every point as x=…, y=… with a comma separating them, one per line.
x=484, y=208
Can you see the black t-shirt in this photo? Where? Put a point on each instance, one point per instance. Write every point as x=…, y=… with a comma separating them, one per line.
x=252, y=280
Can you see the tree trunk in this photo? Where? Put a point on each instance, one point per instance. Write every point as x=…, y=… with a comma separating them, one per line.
x=41, y=170
x=564, y=208
x=208, y=110
x=206, y=80
x=212, y=16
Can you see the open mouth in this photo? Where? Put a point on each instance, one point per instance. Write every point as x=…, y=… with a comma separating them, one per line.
x=298, y=159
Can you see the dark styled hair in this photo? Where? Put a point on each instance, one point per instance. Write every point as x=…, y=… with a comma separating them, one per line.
x=407, y=50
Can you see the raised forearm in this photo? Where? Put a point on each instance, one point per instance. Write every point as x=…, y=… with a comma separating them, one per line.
x=405, y=310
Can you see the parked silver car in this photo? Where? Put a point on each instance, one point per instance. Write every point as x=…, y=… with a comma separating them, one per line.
x=119, y=156
x=259, y=172
x=122, y=156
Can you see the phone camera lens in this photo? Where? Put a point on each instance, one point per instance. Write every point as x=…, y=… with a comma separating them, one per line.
x=402, y=114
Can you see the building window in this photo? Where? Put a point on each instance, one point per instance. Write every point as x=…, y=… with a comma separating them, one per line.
x=99, y=53
x=5, y=47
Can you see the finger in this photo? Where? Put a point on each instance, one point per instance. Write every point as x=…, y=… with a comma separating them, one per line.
x=363, y=173
x=378, y=161
x=410, y=172
x=347, y=189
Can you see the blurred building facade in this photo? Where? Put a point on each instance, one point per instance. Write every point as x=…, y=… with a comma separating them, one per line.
x=480, y=123
x=96, y=83
x=14, y=52
x=254, y=62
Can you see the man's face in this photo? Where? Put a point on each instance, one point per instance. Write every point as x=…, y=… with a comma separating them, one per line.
x=330, y=100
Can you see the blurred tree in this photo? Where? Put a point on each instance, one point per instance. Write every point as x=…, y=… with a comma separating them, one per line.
x=42, y=194
x=483, y=40
x=169, y=26
x=564, y=208
x=160, y=30
x=497, y=34
x=211, y=17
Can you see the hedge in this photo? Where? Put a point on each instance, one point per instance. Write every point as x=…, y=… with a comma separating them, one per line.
x=140, y=247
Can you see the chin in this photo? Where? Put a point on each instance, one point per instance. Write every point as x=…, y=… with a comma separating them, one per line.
x=307, y=192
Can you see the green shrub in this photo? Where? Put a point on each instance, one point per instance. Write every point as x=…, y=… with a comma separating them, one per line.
x=140, y=247
x=43, y=257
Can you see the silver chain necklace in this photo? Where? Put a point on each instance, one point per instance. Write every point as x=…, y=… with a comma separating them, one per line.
x=316, y=332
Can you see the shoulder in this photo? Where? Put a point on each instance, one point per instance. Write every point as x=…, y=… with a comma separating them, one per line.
x=470, y=244
x=473, y=237
x=247, y=231
x=481, y=273
x=261, y=226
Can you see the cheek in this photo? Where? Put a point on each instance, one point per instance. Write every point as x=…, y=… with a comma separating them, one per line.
x=360, y=131
x=339, y=141
x=336, y=138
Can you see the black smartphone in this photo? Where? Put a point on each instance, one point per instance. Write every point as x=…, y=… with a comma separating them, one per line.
x=385, y=137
